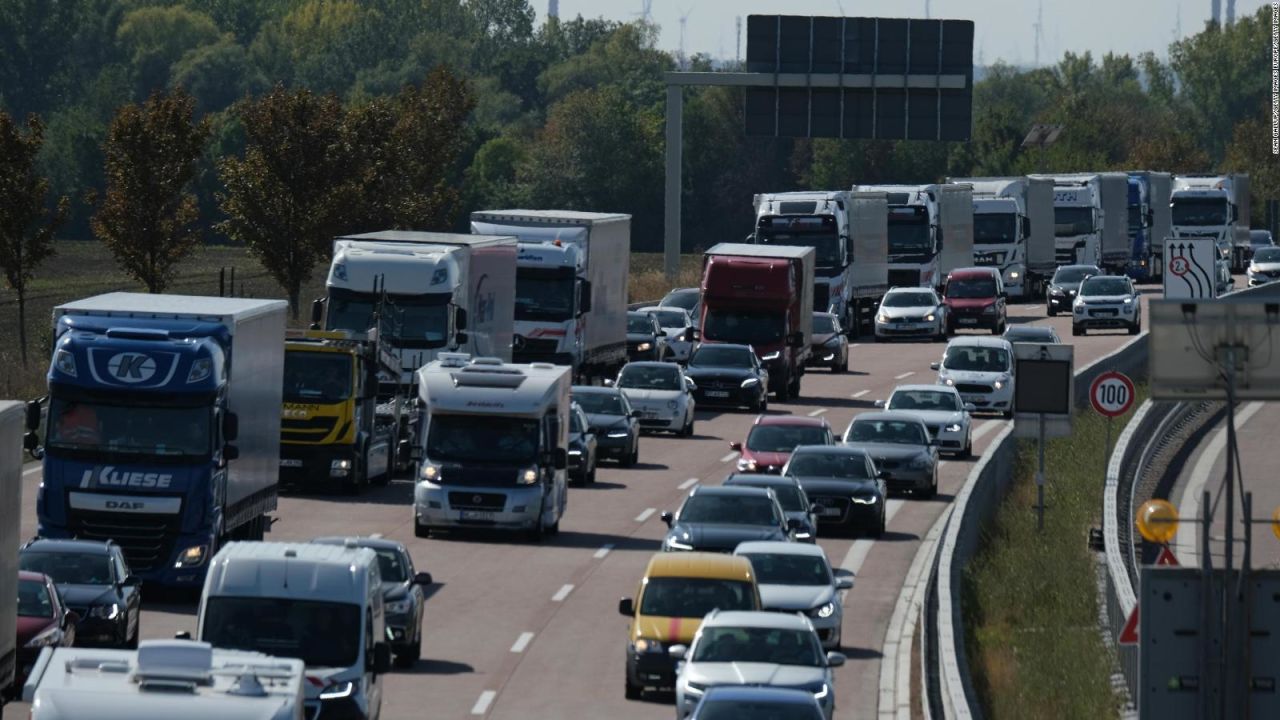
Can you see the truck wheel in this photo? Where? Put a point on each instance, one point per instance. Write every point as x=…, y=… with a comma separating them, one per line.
x=794, y=391
x=782, y=390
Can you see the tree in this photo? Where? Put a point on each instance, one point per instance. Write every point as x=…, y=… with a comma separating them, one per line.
x=27, y=226
x=156, y=38
x=146, y=215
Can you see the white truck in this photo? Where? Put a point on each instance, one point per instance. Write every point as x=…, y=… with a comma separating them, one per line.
x=492, y=445
x=1013, y=230
x=163, y=680
x=1213, y=206
x=930, y=231
x=11, y=425
x=1091, y=219
x=571, y=286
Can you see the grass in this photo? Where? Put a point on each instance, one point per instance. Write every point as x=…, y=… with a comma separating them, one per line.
x=1030, y=597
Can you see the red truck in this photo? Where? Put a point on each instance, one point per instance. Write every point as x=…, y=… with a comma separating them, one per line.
x=762, y=296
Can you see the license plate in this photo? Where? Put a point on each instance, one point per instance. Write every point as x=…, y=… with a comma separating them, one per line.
x=649, y=415
x=967, y=321
x=830, y=512
x=290, y=463
x=1104, y=313
x=478, y=515
x=718, y=393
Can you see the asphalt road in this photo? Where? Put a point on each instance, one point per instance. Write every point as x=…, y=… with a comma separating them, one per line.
x=514, y=630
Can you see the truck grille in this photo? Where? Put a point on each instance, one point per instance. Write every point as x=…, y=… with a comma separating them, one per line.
x=477, y=501
x=313, y=429
x=904, y=278
x=535, y=347
x=146, y=539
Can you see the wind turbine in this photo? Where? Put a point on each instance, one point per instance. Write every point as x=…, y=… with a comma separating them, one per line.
x=646, y=11
x=684, y=63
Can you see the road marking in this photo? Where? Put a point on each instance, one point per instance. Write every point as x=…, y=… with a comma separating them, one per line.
x=688, y=483
x=521, y=643
x=562, y=593
x=859, y=394
x=907, y=374
x=856, y=345
x=730, y=457
x=858, y=551
x=942, y=464
x=604, y=550
x=817, y=412
x=482, y=705
x=28, y=471
x=1187, y=540
x=648, y=513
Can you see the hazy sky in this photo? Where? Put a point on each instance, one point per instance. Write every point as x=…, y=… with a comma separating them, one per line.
x=1003, y=28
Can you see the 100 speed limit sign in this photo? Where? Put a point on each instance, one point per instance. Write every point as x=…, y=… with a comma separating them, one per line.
x=1111, y=394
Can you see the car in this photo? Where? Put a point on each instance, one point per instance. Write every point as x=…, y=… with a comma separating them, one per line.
x=981, y=369
x=94, y=581
x=681, y=330
x=1038, y=334
x=716, y=519
x=943, y=411
x=845, y=486
x=730, y=375
x=748, y=702
x=403, y=593
x=661, y=393
x=735, y=647
x=773, y=437
x=830, y=347
x=975, y=299
x=1107, y=301
x=1064, y=285
x=44, y=620
x=689, y=298
x=793, y=499
x=797, y=578
x=612, y=420
x=645, y=338
x=1264, y=267
x=901, y=448
x=675, y=594
x=911, y=312
x=1258, y=239
x=582, y=447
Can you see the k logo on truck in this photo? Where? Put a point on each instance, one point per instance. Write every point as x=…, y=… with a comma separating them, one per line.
x=131, y=367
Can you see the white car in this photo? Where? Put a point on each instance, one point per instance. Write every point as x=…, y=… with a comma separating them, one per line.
x=662, y=395
x=909, y=312
x=981, y=369
x=1107, y=301
x=943, y=411
x=754, y=648
x=1265, y=266
x=679, y=328
x=797, y=578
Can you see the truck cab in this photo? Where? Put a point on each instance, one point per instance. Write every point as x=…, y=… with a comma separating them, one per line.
x=1139, y=267
x=1077, y=224
x=819, y=220
x=930, y=232
x=1213, y=206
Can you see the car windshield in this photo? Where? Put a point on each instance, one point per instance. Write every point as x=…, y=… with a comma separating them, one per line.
x=482, y=438
x=1105, y=286
x=823, y=324
x=995, y=228
x=694, y=597
x=846, y=465
x=758, y=645
x=33, y=599
x=902, y=432
x=686, y=298
x=544, y=294
x=968, y=288
x=785, y=438
x=392, y=566
x=1069, y=221
x=1073, y=274
x=598, y=403
x=639, y=324
x=736, y=709
x=1199, y=211
x=321, y=634
x=910, y=299
x=69, y=568
x=974, y=358
x=729, y=510
x=671, y=319
x=749, y=327
x=316, y=377
x=923, y=400
x=1267, y=255
x=716, y=356
x=649, y=377
x=417, y=321
x=173, y=433
x=789, y=569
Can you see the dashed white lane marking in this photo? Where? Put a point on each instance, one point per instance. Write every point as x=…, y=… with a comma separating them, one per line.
x=604, y=550
x=856, y=345
x=29, y=471
x=522, y=642
x=858, y=550
x=729, y=458
x=907, y=374
x=688, y=484
x=817, y=412
x=562, y=593
x=859, y=394
x=482, y=705
x=648, y=513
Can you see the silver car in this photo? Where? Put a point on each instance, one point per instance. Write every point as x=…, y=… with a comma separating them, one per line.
x=943, y=411
x=679, y=328
x=1107, y=301
x=911, y=312
x=900, y=445
x=661, y=393
x=981, y=369
x=1265, y=266
x=754, y=648
x=797, y=578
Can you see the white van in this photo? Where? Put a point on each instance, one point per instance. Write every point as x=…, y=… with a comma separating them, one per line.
x=319, y=603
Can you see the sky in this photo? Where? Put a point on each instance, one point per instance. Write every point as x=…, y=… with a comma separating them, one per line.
x=1003, y=28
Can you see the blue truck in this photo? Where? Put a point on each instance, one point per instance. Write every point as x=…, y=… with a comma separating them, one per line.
x=163, y=427
x=1150, y=222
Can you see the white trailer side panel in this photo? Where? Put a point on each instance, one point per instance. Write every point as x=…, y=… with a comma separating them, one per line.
x=492, y=300
x=12, y=425
x=869, y=233
x=1039, y=209
x=608, y=268
x=1113, y=190
x=955, y=224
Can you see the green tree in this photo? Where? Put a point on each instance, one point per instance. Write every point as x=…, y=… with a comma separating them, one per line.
x=155, y=38
x=27, y=225
x=626, y=58
x=145, y=216
x=1250, y=152
x=217, y=75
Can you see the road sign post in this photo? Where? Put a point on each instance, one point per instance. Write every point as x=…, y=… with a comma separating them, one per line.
x=1111, y=395
x=1042, y=401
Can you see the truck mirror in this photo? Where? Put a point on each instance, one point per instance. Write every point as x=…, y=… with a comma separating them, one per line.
x=230, y=427
x=584, y=297
x=230, y=452
x=1026, y=226
x=795, y=340
x=461, y=339
x=31, y=442
x=33, y=415
x=460, y=319
x=317, y=313
x=560, y=459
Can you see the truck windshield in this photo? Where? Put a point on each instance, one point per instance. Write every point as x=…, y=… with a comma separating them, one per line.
x=99, y=428
x=417, y=321
x=1199, y=211
x=908, y=231
x=825, y=243
x=1071, y=221
x=482, y=439
x=748, y=327
x=995, y=228
x=316, y=377
x=321, y=634
x=543, y=294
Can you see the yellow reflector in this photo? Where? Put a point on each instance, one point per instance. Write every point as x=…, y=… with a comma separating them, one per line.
x=1157, y=521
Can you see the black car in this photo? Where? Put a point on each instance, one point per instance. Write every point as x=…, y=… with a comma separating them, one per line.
x=793, y=499
x=1062, y=289
x=612, y=420
x=845, y=485
x=403, y=596
x=94, y=581
x=582, y=447
x=716, y=519
x=728, y=374
x=646, y=340
x=688, y=298
x=1041, y=334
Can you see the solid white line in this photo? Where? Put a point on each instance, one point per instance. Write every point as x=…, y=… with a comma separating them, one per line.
x=28, y=471
x=817, y=412
x=482, y=705
x=604, y=550
x=858, y=550
x=985, y=428
x=562, y=593
x=1187, y=540
x=859, y=394
x=522, y=642
x=729, y=458
x=688, y=484
x=648, y=513
x=907, y=374
x=942, y=464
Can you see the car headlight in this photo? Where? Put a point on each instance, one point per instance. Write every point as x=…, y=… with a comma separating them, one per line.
x=618, y=433
x=865, y=499
x=65, y=362
x=645, y=645
x=339, y=690
x=105, y=612
x=429, y=472
x=527, y=476
x=1014, y=274
x=750, y=382
x=945, y=379
x=834, y=341
x=642, y=347
x=746, y=465
x=820, y=691
x=930, y=317
x=1056, y=291
x=51, y=635
x=920, y=462
x=953, y=427
x=575, y=453
x=882, y=318
x=339, y=468
x=192, y=556
x=399, y=607
x=999, y=384
x=695, y=688
x=1128, y=301
x=673, y=544
x=989, y=310
x=673, y=404
x=825, y=611
x=772, y=356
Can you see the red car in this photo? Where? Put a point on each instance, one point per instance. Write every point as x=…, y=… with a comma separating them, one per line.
x=773, y=437
x=43, y=621
x=975, y=299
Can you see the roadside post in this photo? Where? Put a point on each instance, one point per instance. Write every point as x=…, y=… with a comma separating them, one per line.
x=1042, y=400
x=1111, y=395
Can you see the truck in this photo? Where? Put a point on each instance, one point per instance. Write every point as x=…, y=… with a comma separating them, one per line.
x=1013, y=230
x=762, y=296
x=492, y=446
x=1090, y=212
x=163, y=429
x=848, y=232
x=162, y=680
x=930, y=231
x=336, y=424
x=571, y=286
x=1149, y=223
x=1213, y=206
x=11, y=425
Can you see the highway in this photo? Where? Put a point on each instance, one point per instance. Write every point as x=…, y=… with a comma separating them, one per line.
x=515, y=630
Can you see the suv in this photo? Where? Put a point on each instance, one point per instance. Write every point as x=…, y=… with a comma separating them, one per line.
x=981, y=369
x=975, y=298
x=94, y=581
x=1107, y=301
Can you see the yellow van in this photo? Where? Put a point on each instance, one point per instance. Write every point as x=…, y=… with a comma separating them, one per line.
x=677, y=591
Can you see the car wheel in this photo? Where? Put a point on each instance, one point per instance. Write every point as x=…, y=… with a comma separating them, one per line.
x=687, y=430
x=538, y=532
x=967, y=452
x=1135, y=328
x=410, y=655
x=633, y=457
x=757, y=405
x=1077, y=331
x=132, y=642
x=930, y=492
x=633, y=691
x=878, y=531
x=1050, y=311
x=591, y=476
x=844, y=366
x=420, y=530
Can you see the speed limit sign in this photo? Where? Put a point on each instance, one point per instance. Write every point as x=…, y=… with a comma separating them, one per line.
x=1111, y=394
